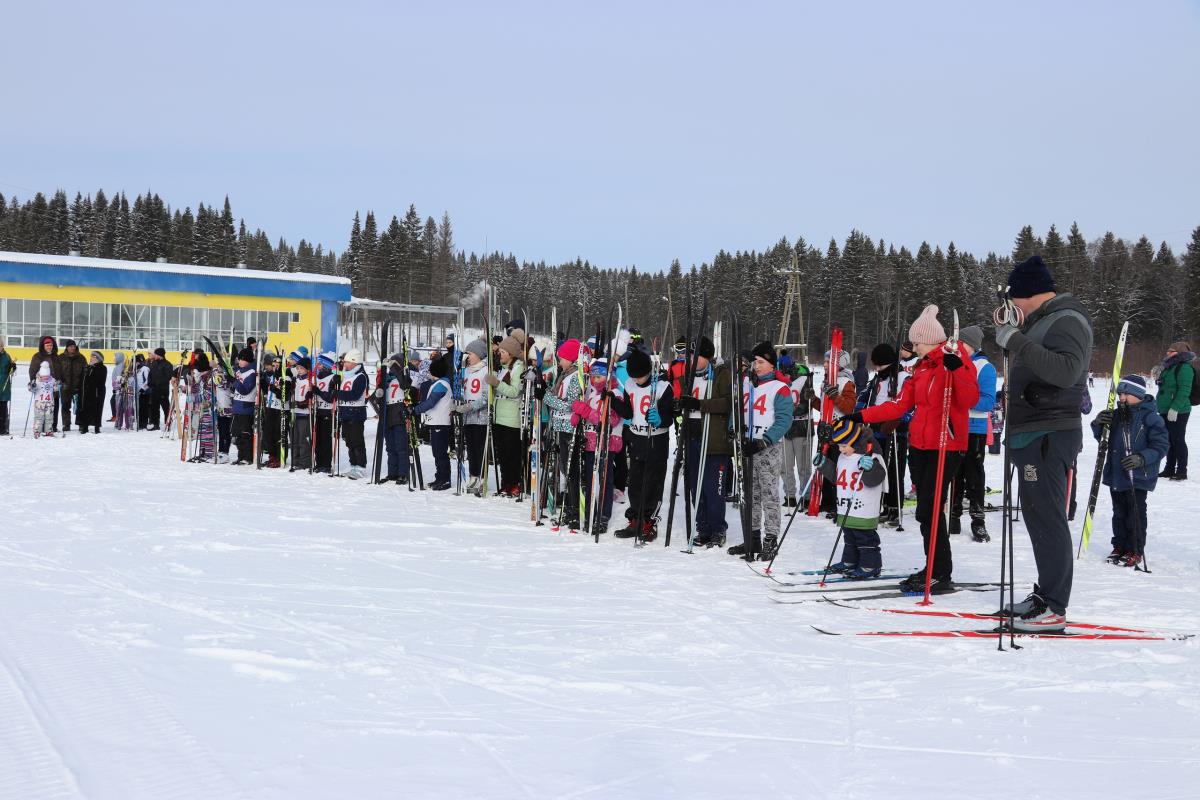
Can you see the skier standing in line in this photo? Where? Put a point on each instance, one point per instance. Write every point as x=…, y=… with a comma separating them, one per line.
x=474, y=408
x=1131, y=469
x=925, y=392
x=891, y=437
x=508, y=383
x=558, y=400
x=1049, y=356
x=859, y=473
x=709, y=407
x=353, y=388
x=767, y=415
x=647, y=406
x=842, y=389
x=325, y=386
x=244, y=394
x=436, y=409
x=970, y=481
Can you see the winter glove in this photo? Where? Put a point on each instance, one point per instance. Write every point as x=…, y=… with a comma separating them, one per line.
x=1004, y=333
x=688, y=403
x=1105, y=417
x=580, y=407
x=1172, y=415
x=819, y=460
x=951, y=361
x=856, y=417
x=824, y=432
x=491, y=380
x=653, y=417
x=1133, y=461
x=829, y=390
x=865, y=463
x=751, y=446
x=539, y=389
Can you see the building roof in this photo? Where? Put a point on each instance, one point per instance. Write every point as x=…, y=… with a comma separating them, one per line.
x=118, y=274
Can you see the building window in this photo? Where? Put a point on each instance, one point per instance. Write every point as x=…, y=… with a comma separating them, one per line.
x=123, y=326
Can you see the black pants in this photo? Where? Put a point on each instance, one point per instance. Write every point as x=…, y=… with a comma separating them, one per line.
x=243, y=437
x=510, y=454
x=1129, y=521
x=271, y=420
x=160, y=401
x=475, y=436
x=4, y=404
x=324, y=439
x=1041, y=469
x=66, y=400
x=224, y=426
x=568, y=467
x=924, y=474
x=970, y=482
x=301, y=443
x=439, y=440
x=621, y=471
x=356, y=446
x=1177, y=455
x=143, y=410
x=897, y=464
x=648, y=469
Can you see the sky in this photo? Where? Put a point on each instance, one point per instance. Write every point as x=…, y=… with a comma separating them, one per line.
x=624, y=133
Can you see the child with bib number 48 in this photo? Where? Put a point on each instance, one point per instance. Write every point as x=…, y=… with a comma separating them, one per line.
x=858, y=473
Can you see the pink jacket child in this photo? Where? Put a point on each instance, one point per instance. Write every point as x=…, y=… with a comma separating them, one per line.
x=589, y=410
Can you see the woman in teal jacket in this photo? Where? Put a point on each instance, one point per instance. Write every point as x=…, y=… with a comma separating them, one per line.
x=506, y=423
x=1175, y=406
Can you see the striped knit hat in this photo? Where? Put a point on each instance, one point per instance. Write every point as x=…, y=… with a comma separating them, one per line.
x=847, y=432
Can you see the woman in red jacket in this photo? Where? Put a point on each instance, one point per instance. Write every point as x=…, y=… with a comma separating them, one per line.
x=924, y=391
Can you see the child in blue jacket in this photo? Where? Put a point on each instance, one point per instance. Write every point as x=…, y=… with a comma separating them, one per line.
x=1137, y=441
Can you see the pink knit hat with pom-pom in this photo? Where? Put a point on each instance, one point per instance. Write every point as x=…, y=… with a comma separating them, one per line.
x=927, y=329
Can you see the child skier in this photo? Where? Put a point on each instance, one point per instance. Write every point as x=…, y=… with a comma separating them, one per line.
x=436, y=408
x=245, y=395
x=272, y=412
x=559, y=400
x=1137, y=442
x=325, y=386
x=392, y=394
x=767, y=415
x=474, y=408
x=647, y=403
x=45, y=401
x=301, y=404
x=591, y=410
x=352, y=412
x=859, y=473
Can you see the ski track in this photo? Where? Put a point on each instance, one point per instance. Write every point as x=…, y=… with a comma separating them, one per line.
x=187, y=631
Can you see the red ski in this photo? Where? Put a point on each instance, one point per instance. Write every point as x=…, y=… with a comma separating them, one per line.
x=924, y=612
x=831, y=373
x=994, y=632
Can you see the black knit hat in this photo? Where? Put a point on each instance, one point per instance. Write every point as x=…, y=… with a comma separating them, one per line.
x=706, y=349
x=884, y=355
x=637, y=363
x=438, y=368
x=160, y=352
x=764, y=350
x=246, y=354
x=1030, y=277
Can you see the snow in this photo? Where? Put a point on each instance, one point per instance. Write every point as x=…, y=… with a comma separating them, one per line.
x=178, y=269
x=172, y=630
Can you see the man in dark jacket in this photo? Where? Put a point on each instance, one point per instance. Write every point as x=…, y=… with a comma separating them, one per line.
x=71, y=365
x=707, y=408
x=1050, y=353
x=160, y=388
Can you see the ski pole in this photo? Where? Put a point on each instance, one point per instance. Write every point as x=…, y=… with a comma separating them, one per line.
x=27, y=413
x=838, y=538
x=896, y=474
x=791, y=519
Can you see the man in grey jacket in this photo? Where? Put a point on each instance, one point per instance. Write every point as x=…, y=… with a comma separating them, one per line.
x=1050, y=353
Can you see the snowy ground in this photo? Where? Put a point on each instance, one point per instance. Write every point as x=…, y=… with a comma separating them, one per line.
x=190, y=631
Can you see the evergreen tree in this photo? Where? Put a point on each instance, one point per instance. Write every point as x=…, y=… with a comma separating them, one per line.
x=1191, y=264
x=1026, y=245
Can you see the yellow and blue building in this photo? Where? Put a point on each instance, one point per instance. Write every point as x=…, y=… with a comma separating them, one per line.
x=110, y=305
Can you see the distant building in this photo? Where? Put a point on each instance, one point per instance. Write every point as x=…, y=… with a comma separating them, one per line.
x=109, y=305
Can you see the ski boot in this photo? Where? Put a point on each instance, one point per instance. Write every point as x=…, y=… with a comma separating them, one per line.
x=1116, y=556
x=955, y=526
x=748, y=548
x=629, y=531
x=842, y=567
x=979, y=531
x=1021, y=607
x=770, y=547
x=789, y=502
x=709, y=539
x=1131, y=560
x=1039, y=618
x=649, y=531
x=860, y=574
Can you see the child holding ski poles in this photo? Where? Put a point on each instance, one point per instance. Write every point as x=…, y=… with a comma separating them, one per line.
x=591, y=410
x=647, y=403
x=1137, y=443
x=858, y=473
x=558, y=400
x=474, y=409
x=324, y=397
x=45, y=401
